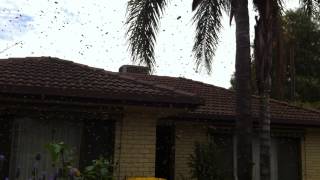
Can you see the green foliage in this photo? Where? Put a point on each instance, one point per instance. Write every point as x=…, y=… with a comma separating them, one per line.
x=310, y=105
x=205, y=163
x=100, y=169
x=302, y=38
x=303, y=35
x=63, y=157
x=60, y=152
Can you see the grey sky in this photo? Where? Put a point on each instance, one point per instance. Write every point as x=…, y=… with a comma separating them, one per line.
x=93, y=33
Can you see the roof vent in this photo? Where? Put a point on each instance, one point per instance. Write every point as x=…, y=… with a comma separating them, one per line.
x=134, y=69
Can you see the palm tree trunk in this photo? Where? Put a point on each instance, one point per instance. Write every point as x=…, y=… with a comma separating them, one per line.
x=243, y=92
x=265, y=135
x=265, y=139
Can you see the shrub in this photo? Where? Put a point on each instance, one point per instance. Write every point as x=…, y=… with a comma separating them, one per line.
x=62, y=161
x=101, y=169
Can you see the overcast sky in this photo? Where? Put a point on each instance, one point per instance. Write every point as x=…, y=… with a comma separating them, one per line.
x=92, y=32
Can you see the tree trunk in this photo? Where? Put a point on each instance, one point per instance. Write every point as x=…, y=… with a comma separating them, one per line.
x=265, y=135
x=243, y=92
x=265, y=138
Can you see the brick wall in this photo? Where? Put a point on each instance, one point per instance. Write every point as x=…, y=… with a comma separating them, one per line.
x=187, y=134
x=311, y=155
x=135, y=146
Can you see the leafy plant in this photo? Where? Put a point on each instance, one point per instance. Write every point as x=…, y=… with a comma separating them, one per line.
x=62, y=158
x=60, y=153
x=101, y=169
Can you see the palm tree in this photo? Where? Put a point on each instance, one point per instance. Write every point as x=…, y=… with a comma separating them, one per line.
x=263, y=61
x=143, y=21
x=243, y=90
x=267, y=31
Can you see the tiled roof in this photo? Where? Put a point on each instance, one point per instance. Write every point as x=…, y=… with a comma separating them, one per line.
x=52, y=76
x=220, y=102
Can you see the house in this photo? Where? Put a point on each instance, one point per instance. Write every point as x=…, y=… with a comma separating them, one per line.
x=148, y=124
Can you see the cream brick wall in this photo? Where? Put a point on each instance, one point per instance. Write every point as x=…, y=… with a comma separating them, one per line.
x=311, y=154
x=135, y=146
x=187, y=134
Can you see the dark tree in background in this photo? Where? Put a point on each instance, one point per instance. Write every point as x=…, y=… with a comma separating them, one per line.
x=303, y=62
x=268, y=33
x=296, y=67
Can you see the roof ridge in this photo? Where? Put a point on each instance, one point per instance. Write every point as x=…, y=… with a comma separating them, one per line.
x=253, y=95
x=154, y=84
x=123, y=76
x=295, y=106
x=196, y=81
x=49, y=58
x=110, y=82
x=86, y=67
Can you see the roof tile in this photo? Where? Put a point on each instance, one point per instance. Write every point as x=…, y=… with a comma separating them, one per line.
x=66, y=78
x=53, y=76
x=221, y=102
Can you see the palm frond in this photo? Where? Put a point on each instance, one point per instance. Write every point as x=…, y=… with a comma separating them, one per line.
x=208, y=24
x=226, y=5
x=143, y=24
x=195, y=4
x=232, y=5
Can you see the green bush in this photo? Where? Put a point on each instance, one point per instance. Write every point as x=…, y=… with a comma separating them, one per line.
x=62, y=158
x=101, y=169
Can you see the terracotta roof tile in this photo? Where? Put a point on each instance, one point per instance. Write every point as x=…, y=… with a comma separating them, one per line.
x=220, y=102
x=53, y=76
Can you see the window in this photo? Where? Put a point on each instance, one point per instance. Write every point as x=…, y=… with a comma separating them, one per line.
x=30, y=136
x=225, y=146
x=97, y=140
x=87, y=139
x=165, y=152
x=285, y=156
x=288, y=150
x=5, y=145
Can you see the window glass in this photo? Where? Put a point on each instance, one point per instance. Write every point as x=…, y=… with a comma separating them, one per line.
x=285, y=158
x=288, y=150
x=97, y=141
x=30, y=137
x=225, y=146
